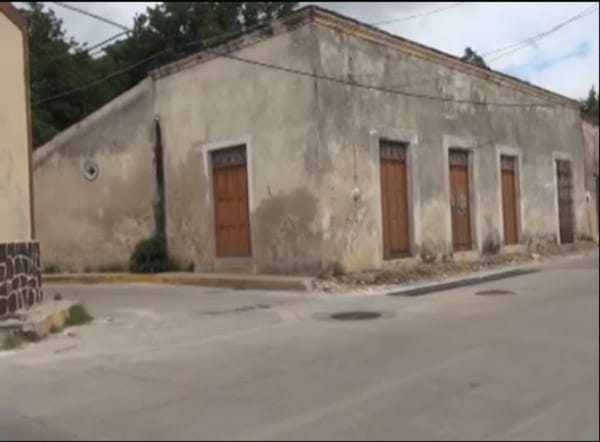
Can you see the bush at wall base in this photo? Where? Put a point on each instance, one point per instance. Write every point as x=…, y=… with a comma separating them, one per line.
x=149, y=256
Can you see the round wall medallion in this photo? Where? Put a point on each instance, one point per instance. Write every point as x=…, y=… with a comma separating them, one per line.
x=90, y=170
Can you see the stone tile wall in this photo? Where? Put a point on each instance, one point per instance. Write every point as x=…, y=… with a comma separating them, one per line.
x=20, y=276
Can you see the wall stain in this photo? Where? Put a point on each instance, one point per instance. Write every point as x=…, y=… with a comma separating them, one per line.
x=284, y=240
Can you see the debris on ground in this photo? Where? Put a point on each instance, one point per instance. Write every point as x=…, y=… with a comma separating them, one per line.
x=64, y=349
x=241, y=309
x=421, y=271
x=70, y=334
x=41, y=320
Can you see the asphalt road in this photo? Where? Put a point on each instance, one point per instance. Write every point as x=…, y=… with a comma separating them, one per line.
x=164, y=362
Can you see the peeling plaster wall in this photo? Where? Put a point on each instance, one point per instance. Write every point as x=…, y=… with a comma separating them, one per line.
x=351, y=120
x=590, y=136
x=222, y=103
x=87, y=225
x=312, y=157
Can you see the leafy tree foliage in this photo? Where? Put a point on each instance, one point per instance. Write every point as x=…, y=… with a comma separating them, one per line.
x=589, y=106
x=58, y=63
x=470, y=56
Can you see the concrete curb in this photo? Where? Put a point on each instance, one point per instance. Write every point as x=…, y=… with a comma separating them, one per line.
x=39, y=321
x=419, y=288
x=237, y=281
x=465, y=281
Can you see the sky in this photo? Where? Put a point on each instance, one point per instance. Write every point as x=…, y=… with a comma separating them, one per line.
x=565, y=61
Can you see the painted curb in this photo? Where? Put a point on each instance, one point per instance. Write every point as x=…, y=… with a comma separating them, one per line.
x=209, y=280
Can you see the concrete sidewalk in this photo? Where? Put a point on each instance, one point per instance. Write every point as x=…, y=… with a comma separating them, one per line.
x=306, y=283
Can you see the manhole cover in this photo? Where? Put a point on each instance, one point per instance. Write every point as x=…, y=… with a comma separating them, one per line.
x=495, y=292
x=355, y=316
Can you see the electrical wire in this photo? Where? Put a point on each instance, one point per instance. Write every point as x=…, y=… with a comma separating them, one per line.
x=410, y=17
x=92, y=50
x=92, y=15
x=510, y=49
x=378, y=88
x=292, y=71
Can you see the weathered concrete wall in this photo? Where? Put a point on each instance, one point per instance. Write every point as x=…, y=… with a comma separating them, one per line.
x=94, y=224
x=591, y=142
x=312, y=155
x=15, y=209
x=353, y=119
x=224, y=103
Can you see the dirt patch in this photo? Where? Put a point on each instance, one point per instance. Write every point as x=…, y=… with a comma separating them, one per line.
x=421, y=272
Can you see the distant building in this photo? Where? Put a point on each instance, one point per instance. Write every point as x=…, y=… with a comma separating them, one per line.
x=592, y=184
x=312, y=144
x=20, y=283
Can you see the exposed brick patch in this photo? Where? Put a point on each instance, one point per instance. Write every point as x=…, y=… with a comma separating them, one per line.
x=20, y=276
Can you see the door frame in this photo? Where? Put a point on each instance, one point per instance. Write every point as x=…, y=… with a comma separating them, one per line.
x=563, y=156
x=410, y=138
x=206, y=150
x=517, y=153
x=469, y=145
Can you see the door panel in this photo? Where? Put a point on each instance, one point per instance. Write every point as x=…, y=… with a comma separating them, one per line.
x=564, y=178
x=232, y=227
x=460, y=200
x=394, y=200
x=509, y=199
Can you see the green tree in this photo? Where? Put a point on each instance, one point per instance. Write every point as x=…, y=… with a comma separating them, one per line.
x=176, y=29
x=589, y=106
x=470, y=56
x=52, y=69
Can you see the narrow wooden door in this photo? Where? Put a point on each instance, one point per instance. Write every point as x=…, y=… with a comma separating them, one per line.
x=230, y=188
x=509, y=199
x=564, y=179
x=460, y=199
x=394, y=200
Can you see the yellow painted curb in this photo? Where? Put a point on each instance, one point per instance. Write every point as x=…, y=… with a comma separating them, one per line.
x=264, y=282
x=93, y=278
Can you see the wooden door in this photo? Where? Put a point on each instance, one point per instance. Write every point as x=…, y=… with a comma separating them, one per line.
x=230, y=188
x=509, y=199
x=564, y=179
x=394, y=200
x=460, y=199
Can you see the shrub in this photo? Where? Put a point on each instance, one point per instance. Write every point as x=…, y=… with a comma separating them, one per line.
x=78, y=315
x=149, y=256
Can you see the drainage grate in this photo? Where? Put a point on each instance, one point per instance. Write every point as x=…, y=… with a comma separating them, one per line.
x=355, y=316
x=495, y=292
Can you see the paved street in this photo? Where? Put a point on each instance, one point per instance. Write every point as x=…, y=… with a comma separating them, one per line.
x=167, y=362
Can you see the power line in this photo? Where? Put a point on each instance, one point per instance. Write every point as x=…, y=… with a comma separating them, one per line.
x=92, y=15
x=307, y=74
x=105, y=42
x=410, y=17
x=542, y=34
x=291, y=71
x=100, y=80
x=127, y=30
x=213, y=40
x=510, y=49
x=97, y=48
x=374, y=87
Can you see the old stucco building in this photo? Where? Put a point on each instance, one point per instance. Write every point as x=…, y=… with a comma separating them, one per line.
x=592, y=182
x=312, y=144
x=19, y=254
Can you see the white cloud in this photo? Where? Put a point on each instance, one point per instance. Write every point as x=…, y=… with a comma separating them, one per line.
x=483, y=26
